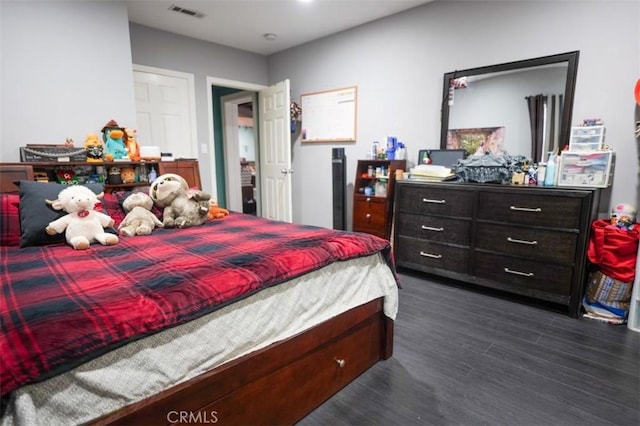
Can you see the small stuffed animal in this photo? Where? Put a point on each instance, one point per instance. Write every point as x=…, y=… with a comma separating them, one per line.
x=131, y=142
x=128, y=175
x=215, y=211
x=82, y=224
x=139, y=219
x=182, y=207
x=94, y=147
x=113, y=136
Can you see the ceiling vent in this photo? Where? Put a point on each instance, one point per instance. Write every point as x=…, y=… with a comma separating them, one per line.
x=189, y=12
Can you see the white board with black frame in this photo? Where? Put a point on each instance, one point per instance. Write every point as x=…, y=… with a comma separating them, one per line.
x=330, y=115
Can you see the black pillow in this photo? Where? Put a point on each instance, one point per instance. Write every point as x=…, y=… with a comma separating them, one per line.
x=35, y=213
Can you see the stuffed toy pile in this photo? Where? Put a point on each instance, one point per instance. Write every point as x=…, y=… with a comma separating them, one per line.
x=182, y=207
x=83, y=225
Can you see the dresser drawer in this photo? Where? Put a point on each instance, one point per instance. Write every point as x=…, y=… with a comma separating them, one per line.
x=555, y=246
x=530, y=209
x=529, y=277
x=434, y=255
x=370, y=213
x=423, y=199
x=434, y=228
x=325, y=370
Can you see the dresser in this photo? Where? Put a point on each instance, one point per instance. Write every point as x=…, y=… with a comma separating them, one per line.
x=374, y=195
x=529, y=241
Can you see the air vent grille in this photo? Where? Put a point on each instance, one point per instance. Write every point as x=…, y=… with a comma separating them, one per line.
x=189, y=12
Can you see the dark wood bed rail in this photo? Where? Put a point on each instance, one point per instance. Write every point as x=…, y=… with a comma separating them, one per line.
x=279, y=384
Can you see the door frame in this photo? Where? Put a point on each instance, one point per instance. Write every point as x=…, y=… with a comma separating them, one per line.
x=233, y=84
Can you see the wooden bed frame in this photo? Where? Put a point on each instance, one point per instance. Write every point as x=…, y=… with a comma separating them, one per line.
x=279, y=384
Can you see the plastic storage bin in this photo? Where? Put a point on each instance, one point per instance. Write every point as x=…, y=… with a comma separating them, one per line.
x=589, y=168
x=588, y=138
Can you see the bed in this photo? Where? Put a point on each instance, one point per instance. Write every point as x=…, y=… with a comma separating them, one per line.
x=242, y=320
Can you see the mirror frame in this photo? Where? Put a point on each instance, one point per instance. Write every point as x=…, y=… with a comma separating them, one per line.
x=572, y=70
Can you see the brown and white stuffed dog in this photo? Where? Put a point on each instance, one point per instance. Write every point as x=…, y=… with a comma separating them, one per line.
x=82, y=225
x=139, y=219
x=182, y=207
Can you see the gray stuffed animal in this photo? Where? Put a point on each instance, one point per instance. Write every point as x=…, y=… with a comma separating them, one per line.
x=139, y=219
x=182, y=207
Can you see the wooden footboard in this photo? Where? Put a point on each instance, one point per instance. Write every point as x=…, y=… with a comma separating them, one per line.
x=276, y=385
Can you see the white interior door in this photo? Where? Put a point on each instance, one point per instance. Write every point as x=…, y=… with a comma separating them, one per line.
x=165, y=110
x=275, y=152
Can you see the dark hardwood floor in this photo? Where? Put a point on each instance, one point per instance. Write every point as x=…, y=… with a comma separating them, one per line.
x=467, y=358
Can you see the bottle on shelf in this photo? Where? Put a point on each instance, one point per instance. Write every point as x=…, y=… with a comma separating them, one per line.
x=143, y=173
x=101, y=171
x=152, y=174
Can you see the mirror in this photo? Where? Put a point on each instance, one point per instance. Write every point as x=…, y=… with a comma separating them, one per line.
x=519, y=108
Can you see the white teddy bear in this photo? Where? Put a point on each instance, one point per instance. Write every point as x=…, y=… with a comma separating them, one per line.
x=139, y=219
x=82, y=224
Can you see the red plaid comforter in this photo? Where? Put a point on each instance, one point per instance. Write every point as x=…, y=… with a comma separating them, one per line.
x=61, y=307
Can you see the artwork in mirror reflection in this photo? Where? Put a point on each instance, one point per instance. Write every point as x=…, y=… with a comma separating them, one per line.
x=478, y=141
x=500, y=99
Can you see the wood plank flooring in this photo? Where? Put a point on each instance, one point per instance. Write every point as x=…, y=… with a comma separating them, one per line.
x=463, y=357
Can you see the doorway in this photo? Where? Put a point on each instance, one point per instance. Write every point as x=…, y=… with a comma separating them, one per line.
x=240, y=138
x=273, y=148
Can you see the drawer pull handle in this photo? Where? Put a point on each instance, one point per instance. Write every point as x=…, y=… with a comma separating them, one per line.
x=526, y=209
x=433, y=256
x=368, y=215
x=524, y=274
x=368, y=200
x=530, y=243
x=427, y=200
x=340, y=362
x=429, y=228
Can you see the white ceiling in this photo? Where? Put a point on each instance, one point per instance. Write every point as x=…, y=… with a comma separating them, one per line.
x=241, y=24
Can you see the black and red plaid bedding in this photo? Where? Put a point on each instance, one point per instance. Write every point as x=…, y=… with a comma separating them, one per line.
x=61, y=307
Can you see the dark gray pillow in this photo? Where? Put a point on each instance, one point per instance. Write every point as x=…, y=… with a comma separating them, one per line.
x=35, y=213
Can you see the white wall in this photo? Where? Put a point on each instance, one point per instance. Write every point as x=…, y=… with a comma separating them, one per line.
x=161, y=49
x=66, y=71
x=398, y=64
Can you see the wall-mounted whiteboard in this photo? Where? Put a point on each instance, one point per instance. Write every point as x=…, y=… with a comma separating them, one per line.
x=329, y=116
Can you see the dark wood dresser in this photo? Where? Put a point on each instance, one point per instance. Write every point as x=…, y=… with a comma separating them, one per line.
x=530, y=241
